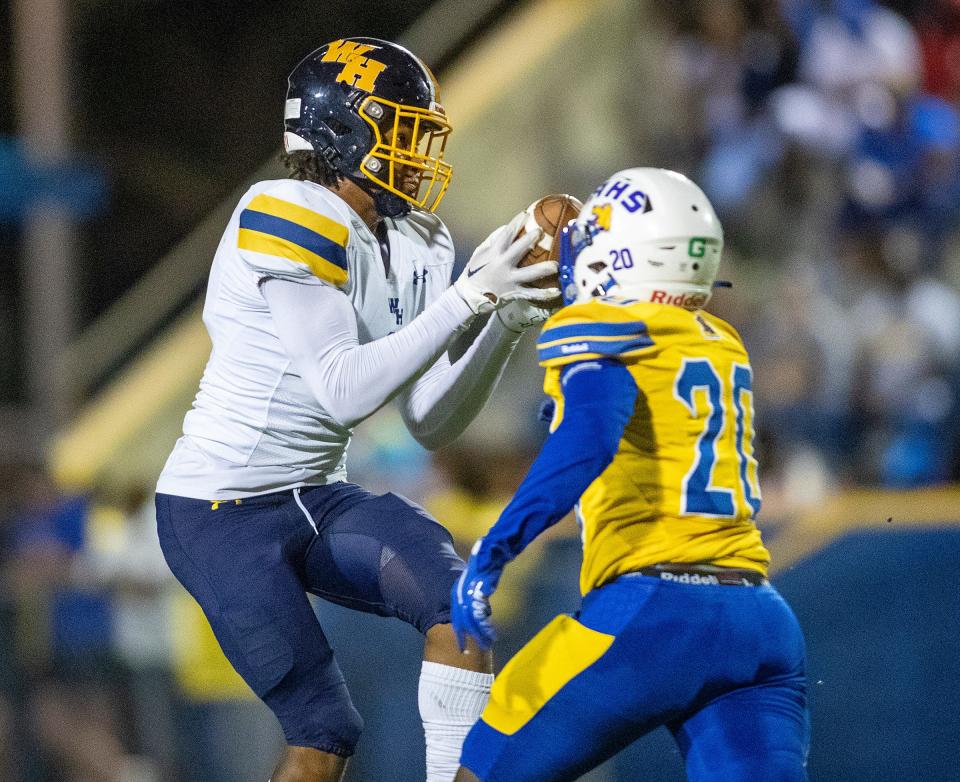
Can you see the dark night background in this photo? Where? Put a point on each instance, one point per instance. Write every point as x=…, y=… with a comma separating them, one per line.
x=175, y=103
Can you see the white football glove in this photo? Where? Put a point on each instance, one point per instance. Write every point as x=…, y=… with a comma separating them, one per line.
x=491, y=278
x=519, y=315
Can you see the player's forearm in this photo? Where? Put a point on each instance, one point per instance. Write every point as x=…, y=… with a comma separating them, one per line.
x=360, y=379
x=317, y=327
x=598, y=404
x=443, y=402
x=567, y=464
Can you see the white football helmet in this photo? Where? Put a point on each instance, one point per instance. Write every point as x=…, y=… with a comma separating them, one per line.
x=647, y=234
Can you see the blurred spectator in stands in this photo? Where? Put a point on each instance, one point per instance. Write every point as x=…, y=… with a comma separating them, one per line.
x=728, y=58
x=907, y=326
x=938, y=28
x=856, y=59
x=72, y=704
x=123, y=556
x=905, y=170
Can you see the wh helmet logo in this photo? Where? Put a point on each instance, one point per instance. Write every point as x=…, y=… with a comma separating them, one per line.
x=358, y=71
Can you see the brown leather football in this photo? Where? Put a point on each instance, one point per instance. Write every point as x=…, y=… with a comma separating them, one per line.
x=551, y=213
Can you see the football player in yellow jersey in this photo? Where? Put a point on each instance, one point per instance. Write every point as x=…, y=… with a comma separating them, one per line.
x=652, y=441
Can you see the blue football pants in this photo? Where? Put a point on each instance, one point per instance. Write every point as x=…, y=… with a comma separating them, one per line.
x=721, y=666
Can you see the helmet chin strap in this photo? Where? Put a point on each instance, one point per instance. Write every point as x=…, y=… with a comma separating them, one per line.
x=387, y=204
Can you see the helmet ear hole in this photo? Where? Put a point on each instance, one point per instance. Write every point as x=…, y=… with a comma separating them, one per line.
x=338, y=128
x=597, y=266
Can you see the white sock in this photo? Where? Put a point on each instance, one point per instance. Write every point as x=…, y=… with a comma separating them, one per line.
x=451, y=700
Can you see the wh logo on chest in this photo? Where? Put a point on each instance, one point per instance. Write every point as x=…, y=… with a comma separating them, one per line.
x=396, y=310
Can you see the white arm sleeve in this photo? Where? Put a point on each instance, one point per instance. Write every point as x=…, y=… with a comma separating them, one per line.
x=438, y=406
x=317, y=327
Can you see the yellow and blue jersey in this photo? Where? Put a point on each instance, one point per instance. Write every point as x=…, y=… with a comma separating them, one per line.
x=682, y=486
x=652, y=438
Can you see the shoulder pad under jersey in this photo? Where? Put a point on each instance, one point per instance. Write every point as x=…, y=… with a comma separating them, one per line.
x=592, y=330
x=297, y=231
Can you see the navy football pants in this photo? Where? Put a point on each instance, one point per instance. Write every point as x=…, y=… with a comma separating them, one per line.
x=249, y=564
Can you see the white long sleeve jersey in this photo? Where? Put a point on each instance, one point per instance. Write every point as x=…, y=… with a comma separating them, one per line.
x=256, y=424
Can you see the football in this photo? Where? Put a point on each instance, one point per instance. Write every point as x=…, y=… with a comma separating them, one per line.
x=551, y=213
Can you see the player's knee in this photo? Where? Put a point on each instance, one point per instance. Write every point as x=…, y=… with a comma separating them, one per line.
x=314, y=708
x=331, y=726
x=344, y=721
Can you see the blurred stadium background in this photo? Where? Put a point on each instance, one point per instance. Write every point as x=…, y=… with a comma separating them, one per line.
x=827, y=134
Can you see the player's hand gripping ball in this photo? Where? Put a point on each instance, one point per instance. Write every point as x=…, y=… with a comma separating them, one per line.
x=551, y=213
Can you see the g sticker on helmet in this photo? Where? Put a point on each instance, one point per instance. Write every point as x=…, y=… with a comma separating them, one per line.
x=698, y=246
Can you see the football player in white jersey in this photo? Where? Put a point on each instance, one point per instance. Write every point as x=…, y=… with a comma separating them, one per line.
x=329, y=296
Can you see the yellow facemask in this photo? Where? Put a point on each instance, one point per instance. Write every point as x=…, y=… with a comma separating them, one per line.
x=407, y=157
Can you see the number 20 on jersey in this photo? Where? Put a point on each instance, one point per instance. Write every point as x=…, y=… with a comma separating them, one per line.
x=700, y=495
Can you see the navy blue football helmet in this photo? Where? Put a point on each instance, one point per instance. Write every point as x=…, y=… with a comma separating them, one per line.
x=372, y=111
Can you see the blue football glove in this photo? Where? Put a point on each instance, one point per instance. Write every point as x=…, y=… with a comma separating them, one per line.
x=470, y=608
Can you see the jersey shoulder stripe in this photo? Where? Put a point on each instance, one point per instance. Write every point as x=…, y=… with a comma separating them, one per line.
x=583, y=332
x=598, y=330
x=582, y=350
x=301, y=215
x=286, y=230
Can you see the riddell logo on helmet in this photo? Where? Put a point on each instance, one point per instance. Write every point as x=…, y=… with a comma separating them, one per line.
x=679, y=299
